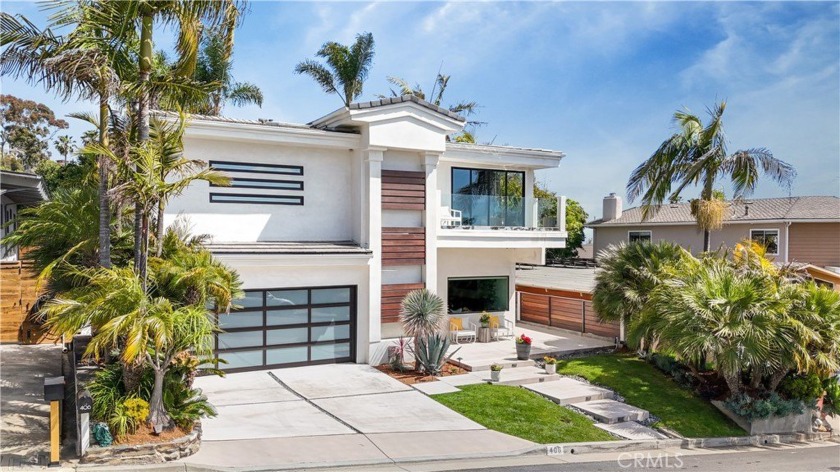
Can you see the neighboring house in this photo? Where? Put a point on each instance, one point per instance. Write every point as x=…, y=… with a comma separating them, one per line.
x=331, y=224
x=802, y=230
x=17, y=190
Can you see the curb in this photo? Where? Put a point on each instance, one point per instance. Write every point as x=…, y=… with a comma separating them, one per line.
x=542, y=449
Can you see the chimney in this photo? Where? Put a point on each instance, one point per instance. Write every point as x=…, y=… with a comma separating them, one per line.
x=612, y=207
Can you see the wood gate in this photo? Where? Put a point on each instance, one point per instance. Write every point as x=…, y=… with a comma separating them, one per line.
x=575, y=314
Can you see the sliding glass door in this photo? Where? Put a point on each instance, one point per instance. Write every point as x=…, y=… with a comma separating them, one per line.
x=488, y=197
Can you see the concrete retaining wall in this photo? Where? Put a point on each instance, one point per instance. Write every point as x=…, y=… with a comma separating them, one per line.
x=801, y=423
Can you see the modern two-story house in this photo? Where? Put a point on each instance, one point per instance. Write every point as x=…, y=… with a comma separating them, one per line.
x=794, y=230
x=330, y=224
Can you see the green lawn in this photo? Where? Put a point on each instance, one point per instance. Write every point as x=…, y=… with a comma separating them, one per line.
x=644, y=386
x=522, y=413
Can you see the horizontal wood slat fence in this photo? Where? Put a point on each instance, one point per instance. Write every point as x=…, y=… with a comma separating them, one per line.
x=574, y=314
x=18, y=292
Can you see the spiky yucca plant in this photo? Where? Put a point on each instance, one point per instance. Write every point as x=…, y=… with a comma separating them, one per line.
x=421, y=314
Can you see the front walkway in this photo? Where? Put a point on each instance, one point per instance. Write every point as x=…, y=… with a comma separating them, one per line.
x=545, y=341
x=24, y=415
x=334, y=414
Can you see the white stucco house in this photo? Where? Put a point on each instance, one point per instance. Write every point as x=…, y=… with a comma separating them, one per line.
x=331, y=223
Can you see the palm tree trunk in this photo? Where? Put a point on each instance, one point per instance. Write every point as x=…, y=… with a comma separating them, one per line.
x=142, y=125
x=160, y=229
x=707, y=240
x=776, y=379
x=158, y=417
x=104, y=205
x=733, y=381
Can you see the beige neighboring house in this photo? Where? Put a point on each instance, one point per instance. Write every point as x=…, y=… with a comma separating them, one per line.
x=800, y=230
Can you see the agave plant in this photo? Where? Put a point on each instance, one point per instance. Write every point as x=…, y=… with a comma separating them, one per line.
x=421, y=313
x=431, y=353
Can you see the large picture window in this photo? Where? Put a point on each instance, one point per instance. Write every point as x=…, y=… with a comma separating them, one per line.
x=488, y=197
x=768, y=238
x=474, y=295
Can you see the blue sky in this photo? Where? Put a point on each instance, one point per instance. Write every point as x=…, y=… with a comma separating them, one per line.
x=599, y=81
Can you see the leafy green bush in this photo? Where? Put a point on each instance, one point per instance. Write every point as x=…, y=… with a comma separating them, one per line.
x=107, y=391
x=807, y=388
x=120, y=422
x=137, y=409
x=757, y=408
x=831, y=403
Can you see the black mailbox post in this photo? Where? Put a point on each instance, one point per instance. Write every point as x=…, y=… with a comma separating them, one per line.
x=84, y=402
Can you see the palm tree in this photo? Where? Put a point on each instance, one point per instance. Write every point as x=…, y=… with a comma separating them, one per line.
x=64, y=145
x=150, y=330
x=214, y=66
x=421, y=313
x=346, y=67
x=626, y=276
x=88, y=64
x=697, y=155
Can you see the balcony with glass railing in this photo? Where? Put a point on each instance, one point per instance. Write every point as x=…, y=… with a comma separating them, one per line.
x=513, y=220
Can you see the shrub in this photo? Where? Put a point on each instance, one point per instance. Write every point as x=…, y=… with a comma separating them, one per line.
x=107, y=391
x=802, y=387
x=664, y=362
x=831, y=403
x=119, y=421
x=137, y=409
x=431, y=353
x=757, y=408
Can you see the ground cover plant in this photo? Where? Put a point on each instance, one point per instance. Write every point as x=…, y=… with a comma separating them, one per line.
x=522, y=413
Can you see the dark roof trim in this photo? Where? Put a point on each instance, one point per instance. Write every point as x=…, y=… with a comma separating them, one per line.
x=407, y=99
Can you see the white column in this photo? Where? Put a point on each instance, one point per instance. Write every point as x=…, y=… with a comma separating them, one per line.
x=561, y=212
x=373, y=172
x=432, y=220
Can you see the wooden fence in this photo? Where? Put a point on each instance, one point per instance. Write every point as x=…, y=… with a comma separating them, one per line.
x=575, y=314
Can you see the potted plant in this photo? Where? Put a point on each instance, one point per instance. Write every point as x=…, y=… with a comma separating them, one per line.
x=485, y=320
x=550, y=365
x=523, y=347
x=495, y=372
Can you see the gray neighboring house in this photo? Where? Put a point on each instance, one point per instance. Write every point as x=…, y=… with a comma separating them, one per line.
x=794, y=229
x=17, y=190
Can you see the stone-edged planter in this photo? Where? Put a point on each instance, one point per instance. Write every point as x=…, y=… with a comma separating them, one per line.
x=801, y=423
x=523, y=351
x=150, y=453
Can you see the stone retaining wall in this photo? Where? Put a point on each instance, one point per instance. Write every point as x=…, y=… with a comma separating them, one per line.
x=153, y=453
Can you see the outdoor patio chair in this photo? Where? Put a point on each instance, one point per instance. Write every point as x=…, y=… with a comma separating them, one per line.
x=501, y=329
x=450, y=218
x=460, y=329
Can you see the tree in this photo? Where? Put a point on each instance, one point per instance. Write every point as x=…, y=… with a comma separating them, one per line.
x=26, y=128
x=65, y=146
x=421, y=314
x=697, y=155
x=576, y=217
x=346, y=67
x=214, y=66
x=65, y=176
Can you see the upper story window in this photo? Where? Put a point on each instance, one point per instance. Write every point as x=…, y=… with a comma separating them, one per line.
x=262, y=190
x=488, y=197
x=638, y=236
x=768, y=238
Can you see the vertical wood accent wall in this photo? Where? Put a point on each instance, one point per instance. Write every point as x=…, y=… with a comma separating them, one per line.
x=573, y=313
x=403, y=246
x=403, y=190
x=18, y=293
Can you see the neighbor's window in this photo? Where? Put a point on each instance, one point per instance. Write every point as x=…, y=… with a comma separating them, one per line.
x=471, y=295
x=768, y=238
x=638, y=236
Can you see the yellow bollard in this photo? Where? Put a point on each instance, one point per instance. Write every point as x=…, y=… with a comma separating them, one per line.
x=54, y=393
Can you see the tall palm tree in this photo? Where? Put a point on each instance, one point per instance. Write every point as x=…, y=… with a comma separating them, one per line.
x=64, y=145
x=214, y=66
x=87, y=63
x=346, y=67
x=697, y=155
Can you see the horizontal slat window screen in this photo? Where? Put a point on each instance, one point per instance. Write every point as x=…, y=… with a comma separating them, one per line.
x=239, y=182
x=256, y=168
x=258, y=199
x=403, y=246
x=403, y=190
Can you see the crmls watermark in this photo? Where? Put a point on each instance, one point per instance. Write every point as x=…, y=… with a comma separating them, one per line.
x=648, y=460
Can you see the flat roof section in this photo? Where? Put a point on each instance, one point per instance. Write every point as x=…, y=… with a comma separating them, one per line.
x=557, y=278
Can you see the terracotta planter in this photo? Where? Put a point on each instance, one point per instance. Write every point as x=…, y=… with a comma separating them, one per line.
x=551, y=368
x=523, y=351
x=494, y=375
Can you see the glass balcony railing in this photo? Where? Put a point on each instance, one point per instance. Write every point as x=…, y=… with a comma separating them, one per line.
x=498, y=211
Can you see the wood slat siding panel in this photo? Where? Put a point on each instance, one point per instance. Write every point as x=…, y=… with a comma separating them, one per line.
x=18, y=292
x=534, y=308
x=403, y=190
x=593, y=326
x=815, y=243
x=403, y=246
x=394, y=294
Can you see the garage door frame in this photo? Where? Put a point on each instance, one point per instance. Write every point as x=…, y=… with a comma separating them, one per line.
x=264, y=328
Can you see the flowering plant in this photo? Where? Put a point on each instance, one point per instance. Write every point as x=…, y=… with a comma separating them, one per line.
x=522, y=339
x=549, y=360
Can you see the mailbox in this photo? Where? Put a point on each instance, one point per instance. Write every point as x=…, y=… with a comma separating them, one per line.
x=53, y=389
x=84, y=402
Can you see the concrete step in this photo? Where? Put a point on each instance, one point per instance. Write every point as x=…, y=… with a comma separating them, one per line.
x=515, y=376
x=481, y=366
x=611, y=411
x=565, y=391
x=631, y=430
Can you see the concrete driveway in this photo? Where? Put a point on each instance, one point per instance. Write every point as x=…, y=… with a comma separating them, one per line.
x=333, y=414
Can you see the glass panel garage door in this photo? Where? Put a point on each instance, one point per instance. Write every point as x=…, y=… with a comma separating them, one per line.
x=288, y=327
